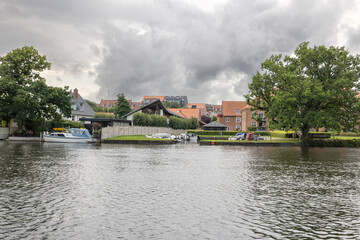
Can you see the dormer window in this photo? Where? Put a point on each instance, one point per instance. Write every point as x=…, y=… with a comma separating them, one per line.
x=238, y=111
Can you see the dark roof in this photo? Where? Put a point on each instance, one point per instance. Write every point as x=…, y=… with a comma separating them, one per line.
x=152, y=105
x=104, y=120
x=215, y=124
x=88, y=111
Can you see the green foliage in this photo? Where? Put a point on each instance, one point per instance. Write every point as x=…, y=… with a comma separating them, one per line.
x=181, y=123
x=141, y=119
x=153, y=120
x=313, y=88
x=49, y=125
x=252, y=128
x=24, y=95
x=214, y=119
x=95, y=107
x=158, y=121
x=334, y=143
x=171, y=104
x=104, y=115
x=122, y=107
x=223, y=133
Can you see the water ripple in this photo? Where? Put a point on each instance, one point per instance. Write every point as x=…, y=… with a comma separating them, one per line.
x=60, y=191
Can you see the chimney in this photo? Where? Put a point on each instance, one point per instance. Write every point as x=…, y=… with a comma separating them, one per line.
x=76, y=93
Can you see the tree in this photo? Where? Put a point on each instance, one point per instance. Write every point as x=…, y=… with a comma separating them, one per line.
x=214, y=119
x=205, y=119
x=24, y=95
x=316, y=87
x=171, y=104
x=94, y=106
x=123, y=106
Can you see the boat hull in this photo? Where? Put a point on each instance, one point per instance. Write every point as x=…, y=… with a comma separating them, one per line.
x=68, y=139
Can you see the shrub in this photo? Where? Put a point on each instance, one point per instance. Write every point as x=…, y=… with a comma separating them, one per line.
x=104, y=115
x=334, y=143
x=252, y=128
x=225, y=133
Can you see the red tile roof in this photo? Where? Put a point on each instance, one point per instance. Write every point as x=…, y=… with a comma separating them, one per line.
x=229, y=107
x=153, y=97
x=187, y=112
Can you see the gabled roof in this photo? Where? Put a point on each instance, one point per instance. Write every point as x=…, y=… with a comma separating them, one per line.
x=229, y=107
x=106, y=102
x=215, y=124
x=187, y=112
x=86, y=111
x=151, y=105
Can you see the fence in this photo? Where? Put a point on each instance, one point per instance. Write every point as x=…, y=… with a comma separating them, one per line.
x=114, y=131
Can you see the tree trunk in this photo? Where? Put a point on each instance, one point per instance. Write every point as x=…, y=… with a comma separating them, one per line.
x=305, y=134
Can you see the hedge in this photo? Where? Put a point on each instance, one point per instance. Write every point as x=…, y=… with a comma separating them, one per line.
x=149, y=120
x=51, y=124
x=225, y=133
x=181, y=123
x=277, y=134
x=104, y=115
x=334, y=143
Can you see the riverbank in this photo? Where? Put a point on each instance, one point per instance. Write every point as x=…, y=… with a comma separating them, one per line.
x=138, y=139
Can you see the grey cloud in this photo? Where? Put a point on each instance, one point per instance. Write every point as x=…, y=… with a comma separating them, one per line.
x=165, y=46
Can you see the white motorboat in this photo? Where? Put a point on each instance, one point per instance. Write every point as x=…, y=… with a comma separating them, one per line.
x=73, y=135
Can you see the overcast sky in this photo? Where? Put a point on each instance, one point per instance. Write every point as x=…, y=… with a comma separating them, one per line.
x=205, y=49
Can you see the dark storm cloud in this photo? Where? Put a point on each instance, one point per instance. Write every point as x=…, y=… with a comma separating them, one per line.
x=168, y=47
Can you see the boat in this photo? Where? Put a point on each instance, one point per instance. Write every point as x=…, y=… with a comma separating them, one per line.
x=73, y=135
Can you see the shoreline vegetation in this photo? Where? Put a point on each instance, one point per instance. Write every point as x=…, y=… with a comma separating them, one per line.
x=216, y=138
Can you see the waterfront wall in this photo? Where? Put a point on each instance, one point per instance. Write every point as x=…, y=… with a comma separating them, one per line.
x=4, y=132
x=114, y=131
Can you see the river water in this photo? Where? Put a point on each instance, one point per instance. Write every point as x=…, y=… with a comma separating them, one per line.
x=182, y=191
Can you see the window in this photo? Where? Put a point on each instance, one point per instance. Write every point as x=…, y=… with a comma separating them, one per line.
x=238, y=111
x=261, y=115
x=238, y=127
x=253, y=124
x=227, y=119
x=238, y=119
x=147, y=101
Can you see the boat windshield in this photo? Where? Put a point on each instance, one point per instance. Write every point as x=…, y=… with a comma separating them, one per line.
x=79, y=132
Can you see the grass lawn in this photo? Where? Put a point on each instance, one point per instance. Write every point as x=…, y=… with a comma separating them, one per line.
x=137, y=138
x=345, y=137
x=215, y=136
x=278, y=140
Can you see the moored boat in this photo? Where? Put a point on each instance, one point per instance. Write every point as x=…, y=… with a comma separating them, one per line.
x=73, y=135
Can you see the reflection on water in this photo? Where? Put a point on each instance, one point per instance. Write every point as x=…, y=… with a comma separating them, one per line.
x=183, y=191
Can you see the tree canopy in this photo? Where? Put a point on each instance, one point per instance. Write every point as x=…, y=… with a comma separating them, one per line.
x=315, y=87
x=24, y=95
x=168, y=104
x=123, y=106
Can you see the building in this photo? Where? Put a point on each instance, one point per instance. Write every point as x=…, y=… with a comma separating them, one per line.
x=107, y=103
x=217, y=109
x=155, y=107
x=237, y=115
x=80, y=108
x=181, y=100
x=149, y=99
x=200, y=106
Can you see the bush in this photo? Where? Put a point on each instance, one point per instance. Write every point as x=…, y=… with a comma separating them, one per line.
x=225, y=133
x=104, y=115
x=149, y=120
x=252, y=128
x=51, y=124
x=334, y=143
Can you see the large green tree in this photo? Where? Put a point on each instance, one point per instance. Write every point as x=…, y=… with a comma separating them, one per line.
x=24, y=95
x=123, y=106
x=314, y=87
